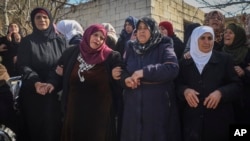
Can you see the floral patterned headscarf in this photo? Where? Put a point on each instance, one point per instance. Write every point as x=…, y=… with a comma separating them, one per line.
x=218, y=33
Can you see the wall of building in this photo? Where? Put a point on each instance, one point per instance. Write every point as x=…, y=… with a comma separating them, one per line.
x=177, y=12
x=116, y=11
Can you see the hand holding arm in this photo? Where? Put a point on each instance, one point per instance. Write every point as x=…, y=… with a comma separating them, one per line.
x=59, y=70
x=187, y=55
x=248, y=67
x=239, y=71
x=116, y=73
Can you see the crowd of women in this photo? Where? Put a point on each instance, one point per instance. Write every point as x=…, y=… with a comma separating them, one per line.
x=145, y=85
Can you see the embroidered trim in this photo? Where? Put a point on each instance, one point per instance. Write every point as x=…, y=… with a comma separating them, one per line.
x=83, y=67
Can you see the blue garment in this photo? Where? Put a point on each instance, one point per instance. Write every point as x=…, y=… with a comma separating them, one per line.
x=150, y=113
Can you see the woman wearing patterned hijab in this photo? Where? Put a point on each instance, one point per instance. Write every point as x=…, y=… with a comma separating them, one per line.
x=151, y=67
x=216, y=20
x=37, y=56
x=87, y=84
x=207, y=86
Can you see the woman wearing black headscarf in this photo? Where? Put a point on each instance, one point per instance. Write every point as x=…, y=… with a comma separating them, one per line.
x=150, y=112
x=37, y=56
x=235, y=44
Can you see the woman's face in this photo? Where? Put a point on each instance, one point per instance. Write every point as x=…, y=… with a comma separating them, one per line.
x=205, y=42
x=128, y=27
x=228, y=37
x=42, y=21
x=96, y=40
x=163, y=31
x=143, y=33
x=215, y=22
x=13, y=28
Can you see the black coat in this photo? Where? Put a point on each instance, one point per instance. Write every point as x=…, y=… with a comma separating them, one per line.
x=8, y=56
x=37, y=57
x=200, y=123
x=179, y=46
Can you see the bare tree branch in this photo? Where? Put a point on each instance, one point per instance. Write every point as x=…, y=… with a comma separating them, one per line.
x=229, y=7
x=18, y=11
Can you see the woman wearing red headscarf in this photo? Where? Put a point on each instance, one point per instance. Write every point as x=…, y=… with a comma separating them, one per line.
x=167, y=29
x=37, y=56
x=88, y=87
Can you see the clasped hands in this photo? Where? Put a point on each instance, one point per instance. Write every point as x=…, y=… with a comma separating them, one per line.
x=134, y=80
x=43, y=88
x=210, y=102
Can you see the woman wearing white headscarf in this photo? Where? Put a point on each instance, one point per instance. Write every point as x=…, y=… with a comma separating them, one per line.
x=71, y=30
x=207, y=85
x=111, y=38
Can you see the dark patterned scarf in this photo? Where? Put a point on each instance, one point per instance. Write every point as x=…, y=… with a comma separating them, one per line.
x=153, y=41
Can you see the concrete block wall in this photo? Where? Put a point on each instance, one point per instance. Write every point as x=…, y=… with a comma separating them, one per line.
x=111, y=11
x=176, y=12
x=116, y=11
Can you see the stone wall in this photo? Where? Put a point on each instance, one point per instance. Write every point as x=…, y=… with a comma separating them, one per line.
x=116, y=11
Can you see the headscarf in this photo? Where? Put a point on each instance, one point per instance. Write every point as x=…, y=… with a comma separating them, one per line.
x=50, y=31
x=111, y=35
x=218, y=33
x=238, y=48
x=200, y=58
x=168, y=26
x=69, y=28
x=94, y=56
x=110, y=31
x=188, y=31
x=154, y=39
x=131, y=20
